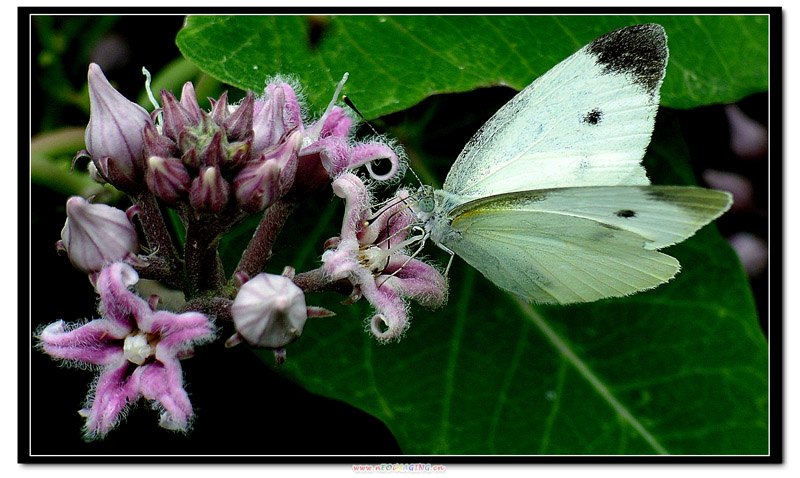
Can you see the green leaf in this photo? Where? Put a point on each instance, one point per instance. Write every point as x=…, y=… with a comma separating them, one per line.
x=397, y=61
x=681, y=369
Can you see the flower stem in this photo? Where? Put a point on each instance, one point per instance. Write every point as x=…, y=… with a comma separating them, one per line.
x=158, y=238
x=258, y=251
x=316, y=281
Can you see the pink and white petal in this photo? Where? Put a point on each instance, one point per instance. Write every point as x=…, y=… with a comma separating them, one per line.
x=392, y=220
x=165, y=323
x=180, y=343
x=417, y=280
x=89, y=343
x=109, y=398
x=342, y=262
x=365, y=154
x=117, y=303
x=356, y=203
x=163, y=383
x=336, y=124
x=390, y=319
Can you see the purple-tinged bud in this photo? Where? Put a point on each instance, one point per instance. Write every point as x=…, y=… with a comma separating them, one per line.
x=96, y=234
x=269, y=311
x=238, y=154
x=219, y=108
x=275, y=116
x=190, y=158
x=256, y=185
x=167, y=178
x=190, y=104
x=176, y=117
x=115, y=132
x=156, y=144
x=209, y=192
x=239, y=125
x=216, y=152
x=260, y=183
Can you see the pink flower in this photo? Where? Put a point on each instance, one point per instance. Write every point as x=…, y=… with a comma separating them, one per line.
x=370, y=253
x=136, y=350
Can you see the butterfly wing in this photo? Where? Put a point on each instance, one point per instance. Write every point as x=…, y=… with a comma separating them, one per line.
x=580, y=244
x=586, y=122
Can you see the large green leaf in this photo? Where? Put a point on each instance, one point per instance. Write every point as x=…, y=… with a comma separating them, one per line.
x=397, y=61
x=681, y=369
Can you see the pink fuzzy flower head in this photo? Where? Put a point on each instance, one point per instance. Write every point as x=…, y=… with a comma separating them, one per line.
x=370, y=253
x=136, y=350
x=96, y=234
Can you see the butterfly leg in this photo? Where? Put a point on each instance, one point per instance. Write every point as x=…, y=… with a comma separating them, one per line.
x=450, y=262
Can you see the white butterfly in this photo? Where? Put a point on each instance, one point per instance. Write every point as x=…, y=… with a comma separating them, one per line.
x=549, y=199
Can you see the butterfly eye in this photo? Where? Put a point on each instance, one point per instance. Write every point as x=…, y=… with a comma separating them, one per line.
x=427, y=204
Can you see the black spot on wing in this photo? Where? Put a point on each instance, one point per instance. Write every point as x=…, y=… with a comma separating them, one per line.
x=640, y=50
x=593, y=117
x=625, y=213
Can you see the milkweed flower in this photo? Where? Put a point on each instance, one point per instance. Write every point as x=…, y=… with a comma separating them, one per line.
x=136, y=351
x=370, y=253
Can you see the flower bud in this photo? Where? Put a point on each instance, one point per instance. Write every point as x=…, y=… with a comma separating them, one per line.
x=115, y=132
x=256, y=185
x=167, y=178
x=269, y=311
x=176, y=117
x=96, y=234
x=261, y=183
x=209, y=192
x=239, y=125
x=275, y=116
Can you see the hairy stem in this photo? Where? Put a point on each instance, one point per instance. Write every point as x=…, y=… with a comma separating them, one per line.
x=217, y=307
x=203, y=264
x=159, y=240
x=317, y=281
x=258, y=251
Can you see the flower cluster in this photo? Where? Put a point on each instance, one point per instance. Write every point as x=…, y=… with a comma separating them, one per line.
x=246, y=156
x=214, y=168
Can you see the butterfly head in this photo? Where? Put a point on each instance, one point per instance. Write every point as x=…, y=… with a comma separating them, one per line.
x=425, y=199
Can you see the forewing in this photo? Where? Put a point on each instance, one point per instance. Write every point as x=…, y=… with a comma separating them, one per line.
x=586, y=122
x=550, y=258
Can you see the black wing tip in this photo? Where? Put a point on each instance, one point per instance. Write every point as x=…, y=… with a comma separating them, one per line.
x=638, y=50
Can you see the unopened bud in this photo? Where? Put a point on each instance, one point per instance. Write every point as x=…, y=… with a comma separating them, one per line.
x=96, y=234
x=209, y=192
x=167, y=178
x=269, y=311
x=115, y=132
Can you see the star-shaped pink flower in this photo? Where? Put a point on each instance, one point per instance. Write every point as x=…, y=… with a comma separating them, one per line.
x=137, y=351
x=370, y=253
